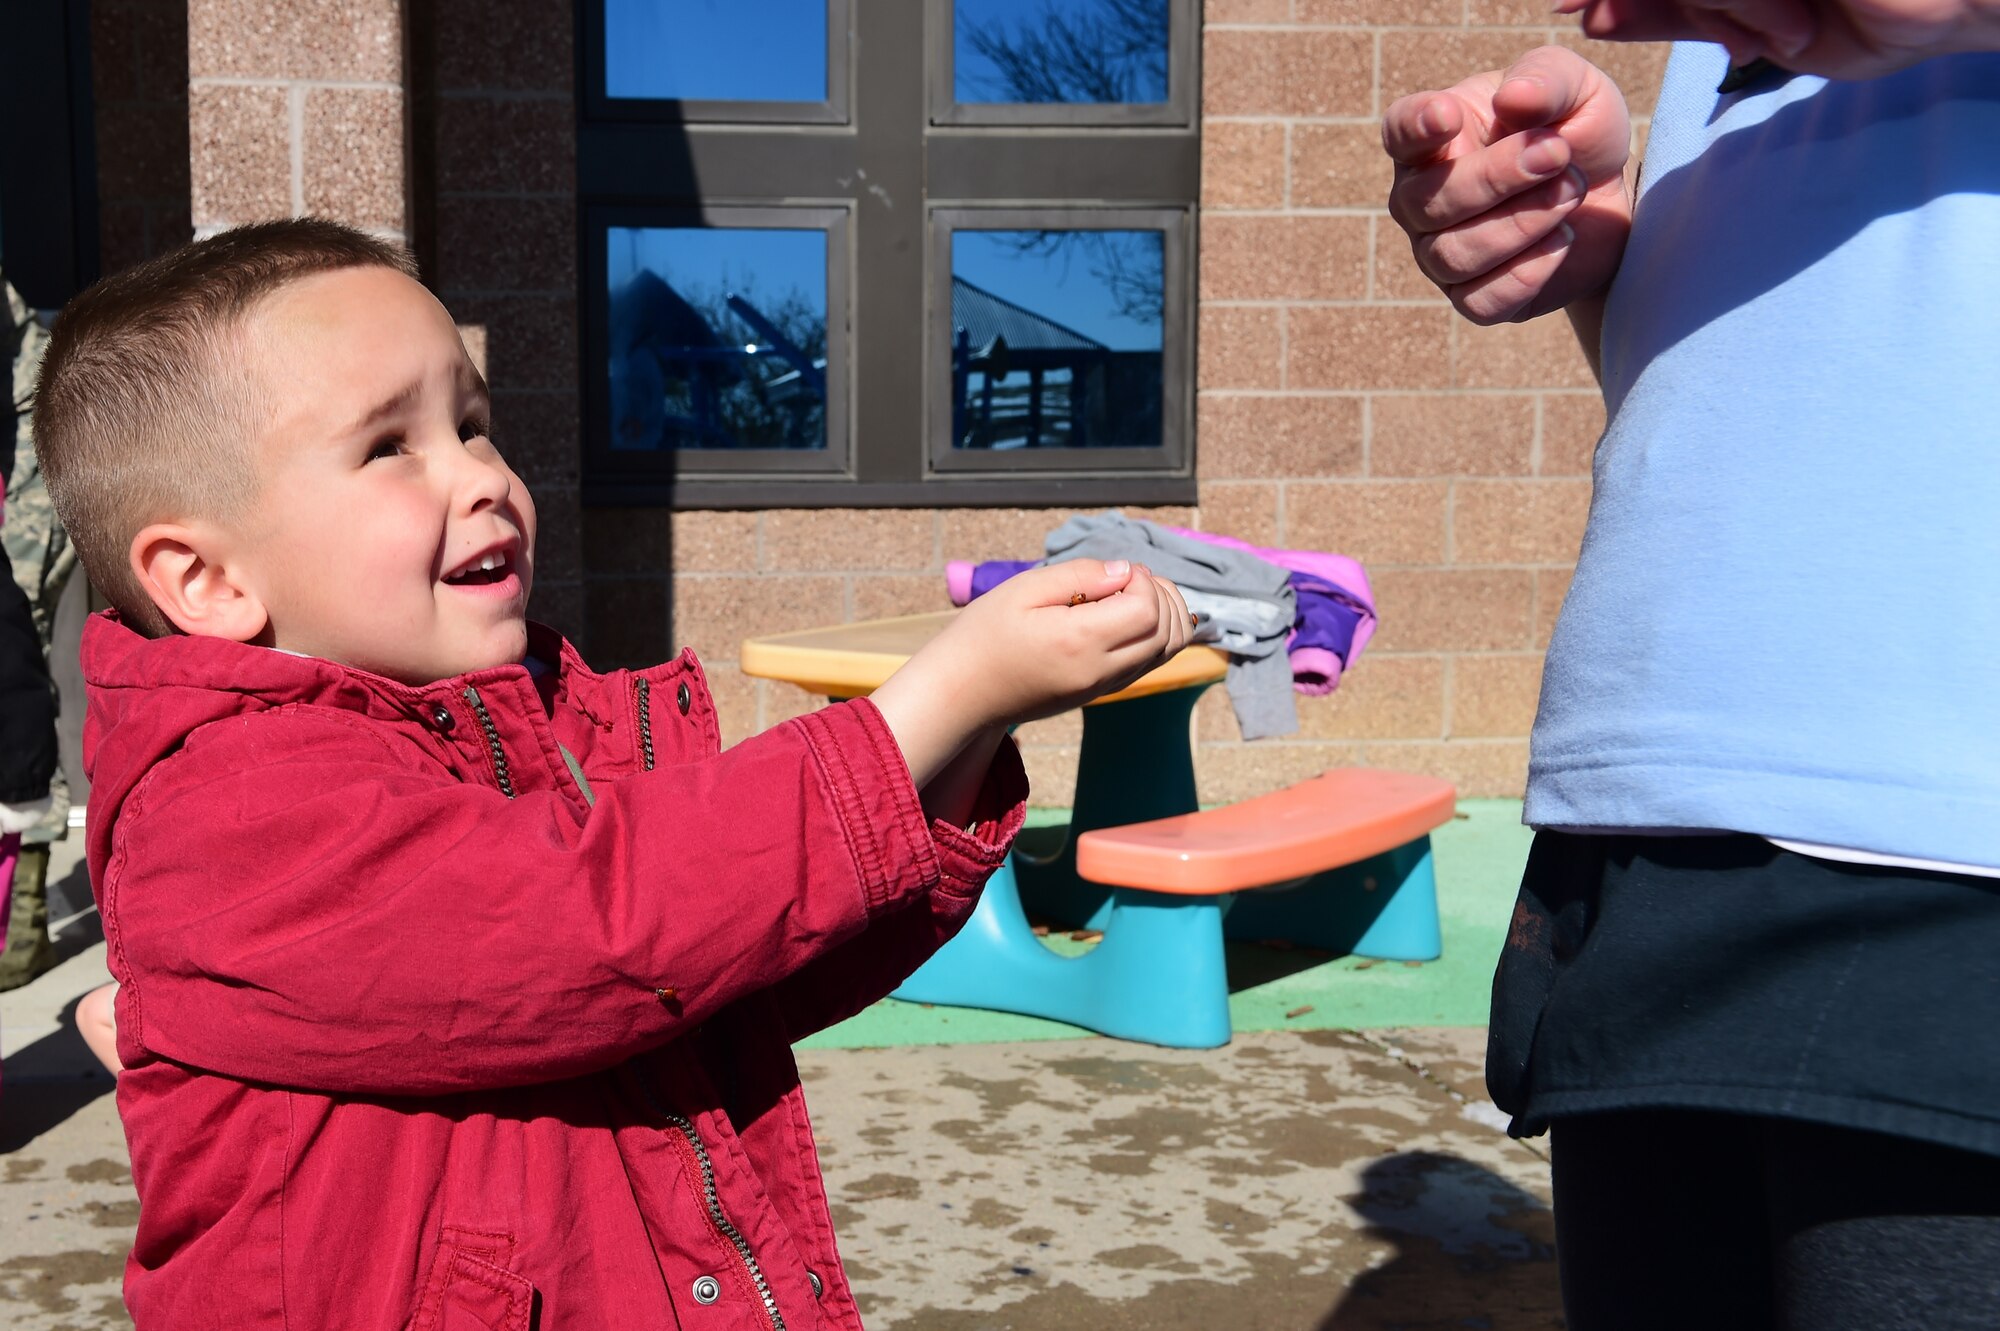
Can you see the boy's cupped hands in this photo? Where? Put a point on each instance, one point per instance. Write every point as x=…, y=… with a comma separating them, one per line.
x=1042, y=642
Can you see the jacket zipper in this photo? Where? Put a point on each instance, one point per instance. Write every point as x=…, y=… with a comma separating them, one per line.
x=721, y=1221
x=642, y=689
x=500, y=769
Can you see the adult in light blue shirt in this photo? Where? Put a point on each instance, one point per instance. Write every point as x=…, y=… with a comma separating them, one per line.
x=1756, y=960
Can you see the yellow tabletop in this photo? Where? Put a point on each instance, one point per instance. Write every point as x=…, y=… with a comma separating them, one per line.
x=852, y=660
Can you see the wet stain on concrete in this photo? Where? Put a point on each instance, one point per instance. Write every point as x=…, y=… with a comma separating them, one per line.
x=1145, y=1256
x=878, y=1186
x=19, y=1170
x=116, y=1172
x=112, y=1215
x=46, y=1279
x=988, y=1213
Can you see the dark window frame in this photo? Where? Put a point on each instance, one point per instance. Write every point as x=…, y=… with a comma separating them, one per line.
x=834, y=110
x=893, y=169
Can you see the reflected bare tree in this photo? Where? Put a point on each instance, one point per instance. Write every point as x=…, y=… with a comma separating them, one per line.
x=1101, y=51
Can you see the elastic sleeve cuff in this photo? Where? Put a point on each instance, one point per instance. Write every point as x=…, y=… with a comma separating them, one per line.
x=968, y=855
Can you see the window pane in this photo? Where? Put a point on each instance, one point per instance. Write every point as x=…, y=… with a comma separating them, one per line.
x=1059, y=50
x=716, y=50
x=718, y=337
x=1056, y=338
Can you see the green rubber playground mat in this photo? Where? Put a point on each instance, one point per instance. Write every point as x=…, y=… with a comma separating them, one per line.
x=1479, y=856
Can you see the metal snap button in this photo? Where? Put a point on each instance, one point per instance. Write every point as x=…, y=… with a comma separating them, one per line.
x=441, y=717
x=819, y=1287
x=684, y=697
x=706, y=1290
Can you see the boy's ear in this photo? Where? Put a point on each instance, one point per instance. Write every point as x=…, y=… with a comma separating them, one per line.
x=175, y=567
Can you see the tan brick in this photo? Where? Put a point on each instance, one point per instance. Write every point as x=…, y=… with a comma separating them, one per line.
x=1242, y=165
x=1572, y=423
x=1480, y=769
x=628, y=540
x=525, y=244
x=506, y=145
x=824, y=539
x=1338, y=166
x=562, y=606
x=1287, y=73
x=1166, y=515
x=1395, y=275
x=1519, y=522
x=1421, y=61
x=1451, y=435
x=1453, y=610
x=1240, y=347
x=778, y=702
x=999, y=533
x=1363, y=347
x=714, y=613
x=1494, y=696
x=1051, y=776
x=240, y=143
x=537, y=432
x=1244, y=437
x=530, y=340
x=1542, y=353
x=359, y=41
x=1376, y=522
x=626, y=621
x=1227, y=773
x=1247, y=510
x=1551, y=586
x=1053, y=732
x=558, y=538
x=512, y=45
x=354, y=156
x=715, y=542
x=1247, y=11
x=736, y=701
x=1635, y=67
x=1383, y=697
x=1284, y=258
x=879, y=596
x=1512, y=14
x=1381, y=13
x=1214, y=719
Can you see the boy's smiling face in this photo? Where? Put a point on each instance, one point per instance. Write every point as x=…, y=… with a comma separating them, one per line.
x=387, y=532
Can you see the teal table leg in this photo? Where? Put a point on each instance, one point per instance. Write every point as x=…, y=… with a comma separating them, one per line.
x=1136, y=764
x=1382, y=907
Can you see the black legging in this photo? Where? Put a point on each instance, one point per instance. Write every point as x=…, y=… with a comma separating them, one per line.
x=1691, y=1221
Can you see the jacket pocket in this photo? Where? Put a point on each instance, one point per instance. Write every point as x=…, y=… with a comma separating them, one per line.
x=469, y=1291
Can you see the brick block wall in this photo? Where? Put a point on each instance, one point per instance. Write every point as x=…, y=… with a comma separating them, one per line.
x=296, y=106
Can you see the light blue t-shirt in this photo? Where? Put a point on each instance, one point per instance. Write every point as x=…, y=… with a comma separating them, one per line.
x=1786, y=615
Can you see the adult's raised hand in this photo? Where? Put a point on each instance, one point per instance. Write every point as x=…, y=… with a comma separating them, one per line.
x=1842, y=39
x=1511, y=184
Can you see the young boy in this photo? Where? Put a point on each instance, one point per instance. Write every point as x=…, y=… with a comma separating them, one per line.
x=457, y=980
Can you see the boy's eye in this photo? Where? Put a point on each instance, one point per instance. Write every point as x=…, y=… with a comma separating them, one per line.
x=472, y=428
x=387, y=448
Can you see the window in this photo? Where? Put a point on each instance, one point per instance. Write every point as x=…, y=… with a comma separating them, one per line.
x=888, y=252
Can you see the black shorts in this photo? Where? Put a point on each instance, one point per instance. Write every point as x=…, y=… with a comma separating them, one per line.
x=1723, y=973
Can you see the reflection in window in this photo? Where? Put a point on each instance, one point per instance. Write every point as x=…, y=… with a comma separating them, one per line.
x=1056, y=339
x=718, y=337
x=1059, y=50
x=716, y=50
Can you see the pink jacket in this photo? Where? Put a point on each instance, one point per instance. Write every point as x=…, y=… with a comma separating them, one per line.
x=426, y=1027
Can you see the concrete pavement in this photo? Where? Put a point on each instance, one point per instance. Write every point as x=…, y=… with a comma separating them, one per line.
x=1293, y=1181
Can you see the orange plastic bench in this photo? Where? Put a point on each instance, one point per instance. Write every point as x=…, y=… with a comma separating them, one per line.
x=1339, y=818
x=1340, y=862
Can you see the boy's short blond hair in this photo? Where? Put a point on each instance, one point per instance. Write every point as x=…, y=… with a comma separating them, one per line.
x=143, y=413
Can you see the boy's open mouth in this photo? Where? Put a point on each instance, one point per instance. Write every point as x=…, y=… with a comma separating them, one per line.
x=493, y=566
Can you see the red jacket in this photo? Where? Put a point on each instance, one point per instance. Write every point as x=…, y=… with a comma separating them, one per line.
x=417, y=1035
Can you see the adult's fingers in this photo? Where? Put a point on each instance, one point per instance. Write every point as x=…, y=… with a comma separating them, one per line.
x=1496, y=236
x=1505, y=292
x=1416, y=129
x=1545, y=86
x=1449, y=194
